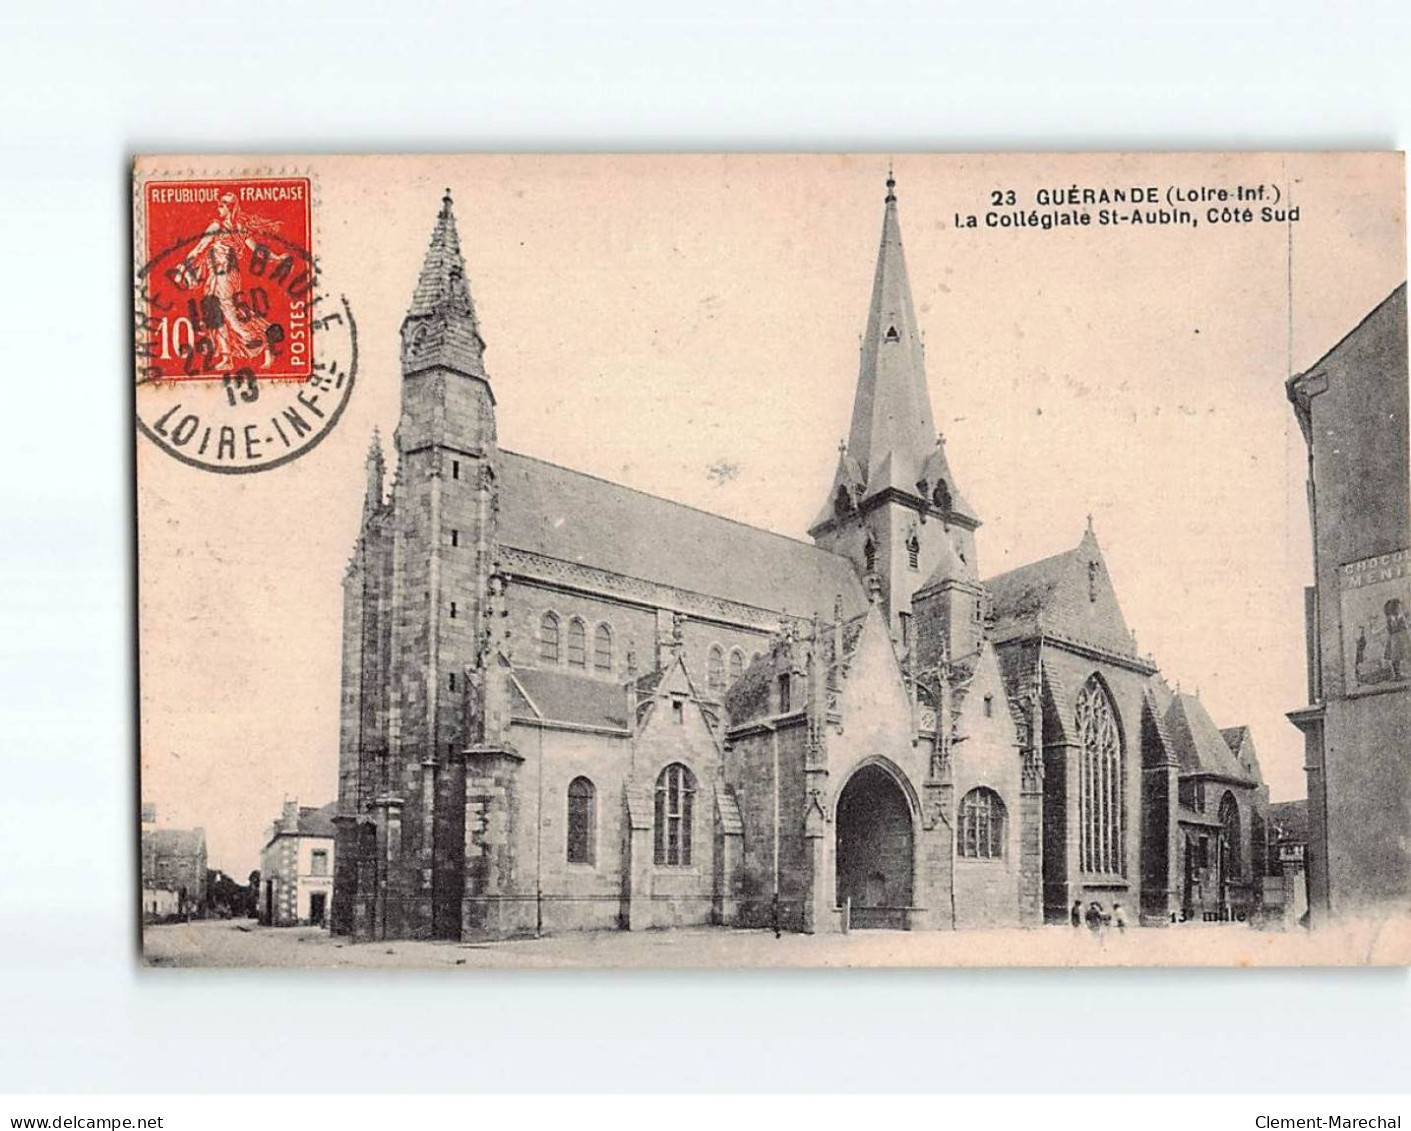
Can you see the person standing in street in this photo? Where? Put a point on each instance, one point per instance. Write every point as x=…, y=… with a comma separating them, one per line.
x=1119, y=918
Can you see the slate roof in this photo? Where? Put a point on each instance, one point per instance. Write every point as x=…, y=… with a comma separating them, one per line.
x=948, y=567
x=174, y=842
x=317, y=822
x=562, y=698
x=1054, y=594
x=748, y=697
x=731, y=822
x=1240, y=740
x=1021, y=595
x=1234, y=737
x=1200, y=747
x=1290, y=819
x=935, y=470
x=892, y=424
x=551, y=510
x=441, y=327
x=442, y=284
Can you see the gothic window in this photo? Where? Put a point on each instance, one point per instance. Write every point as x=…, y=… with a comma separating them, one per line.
x=455, y=537
x=941, y=495
x=1230, y=835
x=675, y=804
x=981, y=832
x=549, y=638
x=737, y=664
x=715, y=668
x=455, y=469
x=1101, y=806
x=602, y=648
x=869, y=552
x=577, y=644
x=453, y=610
x=784, y=697
x=892, y=335
x=841, y=502
x=581, y=821
x=913, y=552
x=453, y=681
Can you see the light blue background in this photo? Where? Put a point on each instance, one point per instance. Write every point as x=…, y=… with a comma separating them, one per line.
x=87, y=85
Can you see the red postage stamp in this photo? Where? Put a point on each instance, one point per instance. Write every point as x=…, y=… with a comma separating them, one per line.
x=234, y=279
x=244, y=359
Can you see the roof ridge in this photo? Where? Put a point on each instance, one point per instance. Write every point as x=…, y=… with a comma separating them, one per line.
x=1332, y=349
x=675, y=503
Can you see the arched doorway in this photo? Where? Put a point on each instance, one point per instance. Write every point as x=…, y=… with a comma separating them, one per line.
x=874, y=849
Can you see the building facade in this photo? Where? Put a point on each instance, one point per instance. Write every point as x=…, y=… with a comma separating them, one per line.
x=1352, y=408
x=173, y=869
x=568, y=704
x=297, y=866
x=1288, y=846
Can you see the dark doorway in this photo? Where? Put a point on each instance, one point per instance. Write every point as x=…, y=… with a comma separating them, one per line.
x=875, y=849
x=269, y=903
x=318, y=907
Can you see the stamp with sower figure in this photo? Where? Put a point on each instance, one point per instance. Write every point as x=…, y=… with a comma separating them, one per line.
x=244, y=361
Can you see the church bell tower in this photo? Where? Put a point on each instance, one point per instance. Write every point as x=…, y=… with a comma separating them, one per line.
x=443, y=519
x=894, y=509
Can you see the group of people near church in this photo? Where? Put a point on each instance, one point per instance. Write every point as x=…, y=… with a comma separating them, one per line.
x=1096, y=919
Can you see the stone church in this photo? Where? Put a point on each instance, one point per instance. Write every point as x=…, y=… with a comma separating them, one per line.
x=568, y=704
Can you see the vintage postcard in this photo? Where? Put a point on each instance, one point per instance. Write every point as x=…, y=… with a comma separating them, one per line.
x=748, y=560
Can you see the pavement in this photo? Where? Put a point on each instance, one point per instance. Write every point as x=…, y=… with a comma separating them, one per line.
x=243, y=943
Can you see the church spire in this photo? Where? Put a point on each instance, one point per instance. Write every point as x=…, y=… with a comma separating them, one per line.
x=893, y=430
x=441, y=329
x=376, y=474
